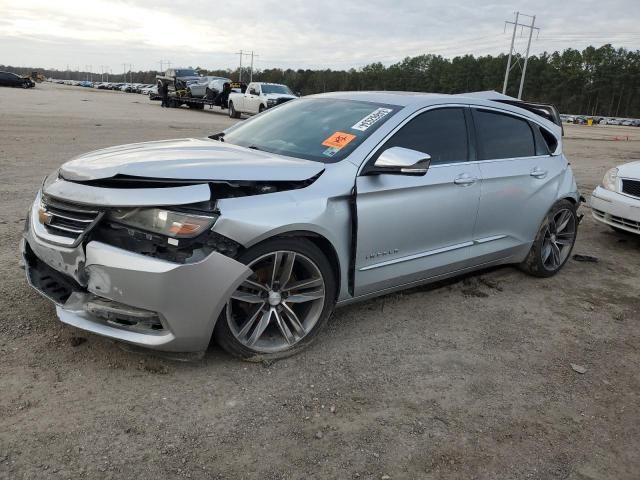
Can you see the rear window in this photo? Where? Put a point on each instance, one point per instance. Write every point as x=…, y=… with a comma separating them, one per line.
x=320, y=129
x=186, y=73
x=503, y=136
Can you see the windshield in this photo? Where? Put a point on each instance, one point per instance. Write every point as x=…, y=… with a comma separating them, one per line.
x=320, y=129
x=186, y=73
x=267, y=88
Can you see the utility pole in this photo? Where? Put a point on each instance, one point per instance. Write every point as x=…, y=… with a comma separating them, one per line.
x=526, y=57
x=251, y=73
x=513, y=38
x=531, y=28
x=240, y=71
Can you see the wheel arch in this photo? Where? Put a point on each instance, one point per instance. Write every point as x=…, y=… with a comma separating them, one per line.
x=319, y=240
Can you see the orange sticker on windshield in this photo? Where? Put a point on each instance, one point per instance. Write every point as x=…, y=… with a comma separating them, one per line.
x=338, y=140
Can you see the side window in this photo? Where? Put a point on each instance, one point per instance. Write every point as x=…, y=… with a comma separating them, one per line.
x=441, y=133
x=546, y=142
x=502, y=136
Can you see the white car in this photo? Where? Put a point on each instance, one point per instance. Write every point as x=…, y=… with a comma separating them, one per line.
x=617, y=201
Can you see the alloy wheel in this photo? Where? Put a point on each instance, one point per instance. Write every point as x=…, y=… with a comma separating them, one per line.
x=558, y=239
x=279, y=304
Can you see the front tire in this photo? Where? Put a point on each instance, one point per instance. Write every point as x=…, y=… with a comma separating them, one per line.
x=283, y=305
x=554, y=241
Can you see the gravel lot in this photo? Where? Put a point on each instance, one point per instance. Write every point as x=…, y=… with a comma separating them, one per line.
x=467, y=379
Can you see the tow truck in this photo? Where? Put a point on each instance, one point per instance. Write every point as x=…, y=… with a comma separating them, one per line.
x=178, y=80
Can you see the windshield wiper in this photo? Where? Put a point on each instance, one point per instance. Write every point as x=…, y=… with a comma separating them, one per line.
x=217, y=136
x=253, y=147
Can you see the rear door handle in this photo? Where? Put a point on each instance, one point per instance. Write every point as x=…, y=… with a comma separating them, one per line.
x=465, y=179
x=538, y=173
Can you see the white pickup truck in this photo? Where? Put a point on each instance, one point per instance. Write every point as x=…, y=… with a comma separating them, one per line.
x=258, y=97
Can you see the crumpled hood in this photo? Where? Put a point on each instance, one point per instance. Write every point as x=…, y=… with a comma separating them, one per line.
x=188, y=159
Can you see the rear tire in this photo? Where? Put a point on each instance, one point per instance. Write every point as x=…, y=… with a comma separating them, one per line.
x=232, y=111
x=274, y=315
x=554, y=241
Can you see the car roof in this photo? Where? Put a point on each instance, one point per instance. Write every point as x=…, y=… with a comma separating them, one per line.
x=417, y=100
x=414, y=98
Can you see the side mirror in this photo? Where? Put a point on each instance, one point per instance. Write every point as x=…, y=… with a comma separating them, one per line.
x=401, y=161
x=253, y=91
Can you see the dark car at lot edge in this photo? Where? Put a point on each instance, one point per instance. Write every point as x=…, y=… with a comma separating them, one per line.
x=8, y=79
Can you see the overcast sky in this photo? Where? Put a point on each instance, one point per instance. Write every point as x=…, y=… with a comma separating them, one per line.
x=293, y=33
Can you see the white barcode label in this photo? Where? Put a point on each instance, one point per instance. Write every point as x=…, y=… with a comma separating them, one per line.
x=371, y=119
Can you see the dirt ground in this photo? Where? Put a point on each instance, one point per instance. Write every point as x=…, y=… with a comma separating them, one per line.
x=468, y=379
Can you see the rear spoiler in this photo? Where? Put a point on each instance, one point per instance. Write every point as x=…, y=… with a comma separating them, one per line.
x=546, y=111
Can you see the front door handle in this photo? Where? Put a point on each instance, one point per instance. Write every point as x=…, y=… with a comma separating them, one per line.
x=464, y=180
x=538, y=173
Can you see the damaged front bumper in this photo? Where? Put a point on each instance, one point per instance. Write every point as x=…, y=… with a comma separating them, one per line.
x=130, y=297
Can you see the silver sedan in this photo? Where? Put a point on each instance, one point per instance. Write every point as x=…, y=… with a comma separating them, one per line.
x=253, y=235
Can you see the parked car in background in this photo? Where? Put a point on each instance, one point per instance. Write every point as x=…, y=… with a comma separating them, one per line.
x=258, y=97
x=616, y=201
x=199, y=88
x=626, y=123
x=10, y=79
x=254, y=235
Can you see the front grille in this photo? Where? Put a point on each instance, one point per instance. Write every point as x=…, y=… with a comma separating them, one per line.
x=69, y=220
x=631, y=187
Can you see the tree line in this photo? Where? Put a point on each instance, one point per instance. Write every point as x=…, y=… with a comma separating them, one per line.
x=595, y=81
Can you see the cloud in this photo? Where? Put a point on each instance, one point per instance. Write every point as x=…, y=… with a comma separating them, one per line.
x=293, y=33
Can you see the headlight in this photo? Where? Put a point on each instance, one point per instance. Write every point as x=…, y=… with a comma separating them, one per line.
x=272, y=101
x=165, y=222
x=610, y=180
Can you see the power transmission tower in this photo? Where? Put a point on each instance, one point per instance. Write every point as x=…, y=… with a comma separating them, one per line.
x=531, y=28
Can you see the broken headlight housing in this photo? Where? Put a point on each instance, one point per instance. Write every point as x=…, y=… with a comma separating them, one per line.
x=164, y=222
x=610, y=180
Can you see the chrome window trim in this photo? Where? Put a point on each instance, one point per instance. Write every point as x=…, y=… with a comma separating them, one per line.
x=379, y=145
x=422, y=110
